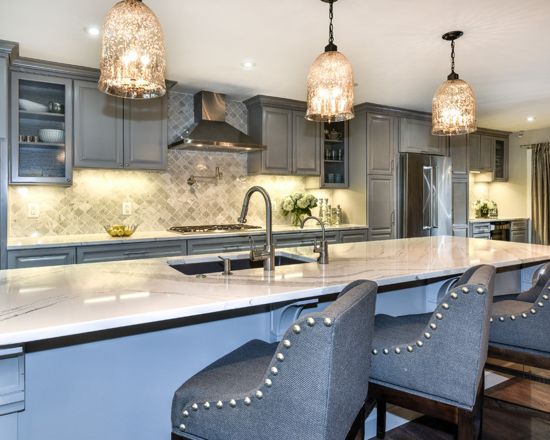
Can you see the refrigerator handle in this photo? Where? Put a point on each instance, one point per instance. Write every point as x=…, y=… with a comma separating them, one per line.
x=435, y=211
x=427, y=176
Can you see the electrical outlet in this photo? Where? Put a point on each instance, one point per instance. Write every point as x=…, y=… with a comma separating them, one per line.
x=126, y=208
x=33, y=210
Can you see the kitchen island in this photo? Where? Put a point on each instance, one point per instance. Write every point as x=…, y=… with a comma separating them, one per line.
x=96, y=350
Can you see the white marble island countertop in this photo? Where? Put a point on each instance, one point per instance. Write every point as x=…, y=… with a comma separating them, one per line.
x=49, y=302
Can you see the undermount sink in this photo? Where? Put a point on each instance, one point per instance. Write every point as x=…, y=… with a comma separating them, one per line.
x=238, y=263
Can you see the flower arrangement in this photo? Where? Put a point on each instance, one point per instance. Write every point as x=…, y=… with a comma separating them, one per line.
x=298, y=205
x=485, y=208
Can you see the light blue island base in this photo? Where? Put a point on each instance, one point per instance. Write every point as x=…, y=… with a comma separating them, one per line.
x=120, y=387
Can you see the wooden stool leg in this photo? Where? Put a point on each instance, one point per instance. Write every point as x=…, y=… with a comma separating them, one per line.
x=380, y=418
x=466, y=425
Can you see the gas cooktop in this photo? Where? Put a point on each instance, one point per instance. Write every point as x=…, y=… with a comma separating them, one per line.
x=213, y=228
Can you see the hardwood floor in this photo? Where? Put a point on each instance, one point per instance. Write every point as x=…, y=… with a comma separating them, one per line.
x=498, y=424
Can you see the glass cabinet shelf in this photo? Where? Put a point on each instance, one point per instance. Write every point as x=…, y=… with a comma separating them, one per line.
x=334, y=151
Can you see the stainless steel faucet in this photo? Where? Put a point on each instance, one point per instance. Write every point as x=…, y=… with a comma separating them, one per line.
x=267, y=254
x=322, y=247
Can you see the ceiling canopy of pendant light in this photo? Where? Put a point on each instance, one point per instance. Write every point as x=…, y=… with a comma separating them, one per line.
x=330, y=83
x=454, y=102
x=133, y=57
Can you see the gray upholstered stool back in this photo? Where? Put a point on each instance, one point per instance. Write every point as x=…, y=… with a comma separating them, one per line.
x=314, y=385
x=540, y=278
x=323, y=380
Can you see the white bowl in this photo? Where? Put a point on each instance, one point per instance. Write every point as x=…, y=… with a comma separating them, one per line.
x=51, y=136
x=31, y=106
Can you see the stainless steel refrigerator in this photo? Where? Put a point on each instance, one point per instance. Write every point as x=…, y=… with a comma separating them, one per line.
x=425, y=195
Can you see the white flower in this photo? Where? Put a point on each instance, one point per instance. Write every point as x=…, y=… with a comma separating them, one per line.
x=303, y=203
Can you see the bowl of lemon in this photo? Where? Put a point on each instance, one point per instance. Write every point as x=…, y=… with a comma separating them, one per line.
x=120, y=230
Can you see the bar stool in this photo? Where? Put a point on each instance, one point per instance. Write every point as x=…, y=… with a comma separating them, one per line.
x=520, y=324
x=433, y=362
x=312, y=384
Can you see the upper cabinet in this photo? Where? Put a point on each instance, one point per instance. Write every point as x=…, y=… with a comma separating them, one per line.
x=41, y=129
x=293, y=143
x=335, y=151
x=459, y=155
x=417, y=137
x=488, y=153
x=116, y=133
x=382, y=141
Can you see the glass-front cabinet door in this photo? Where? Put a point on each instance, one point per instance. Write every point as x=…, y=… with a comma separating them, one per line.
x=334, y=163
x=41, y=134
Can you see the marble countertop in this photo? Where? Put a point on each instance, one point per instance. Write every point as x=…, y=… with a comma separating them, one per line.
x=49, y=302
x=499, y=219
x=15, y=243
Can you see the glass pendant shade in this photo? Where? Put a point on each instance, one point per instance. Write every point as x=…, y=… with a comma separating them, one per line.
x=133, y=59
x=330, y=88
x=454, y=109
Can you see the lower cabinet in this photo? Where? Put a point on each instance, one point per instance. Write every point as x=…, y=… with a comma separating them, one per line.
x=170, y=248
x=41, y=257
x=131, y=251
x=519, y=231
x=381, y=207
x=353, y=236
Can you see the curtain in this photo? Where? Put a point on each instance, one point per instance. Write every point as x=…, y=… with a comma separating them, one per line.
x=540, y=193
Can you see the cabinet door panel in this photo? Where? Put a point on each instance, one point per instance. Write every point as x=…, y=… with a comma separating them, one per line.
x=460, y=203
x=40, y=257
x=380, y=143
x=145, y=134
x=353, y=236
x=277, y=136
x=131, y=251
x=459, y=154
x=501, y=159
x=381, y=211
x=214, y=245
x=474, y=152
x=98, y=127
x=307, y=145
x=416, y=137
x=487, y=153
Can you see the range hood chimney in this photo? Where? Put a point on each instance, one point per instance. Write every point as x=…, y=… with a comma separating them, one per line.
x=210, y=132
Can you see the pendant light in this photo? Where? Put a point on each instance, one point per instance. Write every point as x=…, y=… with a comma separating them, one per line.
x=454, y=102
x=133, y=59
x=330, y=83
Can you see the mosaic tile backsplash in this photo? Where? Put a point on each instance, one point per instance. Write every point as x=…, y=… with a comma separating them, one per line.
x=159, y=199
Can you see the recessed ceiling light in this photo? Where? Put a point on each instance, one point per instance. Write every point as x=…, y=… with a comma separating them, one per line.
x=248, y=64
x=92, y=31
x=530, y=119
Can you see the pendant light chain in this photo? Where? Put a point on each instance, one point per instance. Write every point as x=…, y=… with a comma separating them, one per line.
x=453, y=56
x=330, y=27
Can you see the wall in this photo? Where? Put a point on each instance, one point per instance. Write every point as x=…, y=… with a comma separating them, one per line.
x=159, y=199
x=512, y=197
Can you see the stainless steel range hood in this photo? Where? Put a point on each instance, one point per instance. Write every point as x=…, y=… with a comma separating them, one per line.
x=210, y=131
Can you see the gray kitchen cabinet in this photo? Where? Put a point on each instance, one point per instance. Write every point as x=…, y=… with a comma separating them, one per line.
x=460, y=232
x=487, y=153
x=519, y=231
x=381, y=209
x=41, y=158
x=353, y=236
x=146, y=133
x=116, y=133
x=98, y=127
x=382, y=138
x=416, y=137
x=474, y=151
x=304, y=238
x=196, y=246
x=293, y=144
x=130, y=251
x=306, y=145
x=459, y=154
x=12, y=382
x=40, y=257
x=501, y=159
x=460, y=213
x=480, y=230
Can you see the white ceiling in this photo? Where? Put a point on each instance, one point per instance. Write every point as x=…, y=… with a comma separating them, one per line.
x=394, y=45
